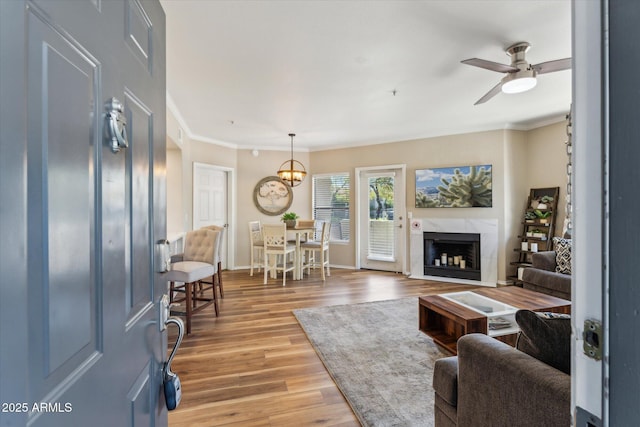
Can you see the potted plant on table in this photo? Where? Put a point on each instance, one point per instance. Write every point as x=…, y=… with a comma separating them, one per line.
x=289, y=218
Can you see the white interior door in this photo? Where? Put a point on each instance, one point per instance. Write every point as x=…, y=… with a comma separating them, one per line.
x=381, y=218
x=210, y=199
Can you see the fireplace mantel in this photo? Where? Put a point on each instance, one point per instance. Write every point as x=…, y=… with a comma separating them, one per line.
x=488, y=230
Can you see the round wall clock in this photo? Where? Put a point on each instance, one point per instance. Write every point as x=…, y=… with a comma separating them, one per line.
x=272, y=196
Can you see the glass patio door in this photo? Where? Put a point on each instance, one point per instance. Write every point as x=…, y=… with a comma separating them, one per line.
x=381, y=220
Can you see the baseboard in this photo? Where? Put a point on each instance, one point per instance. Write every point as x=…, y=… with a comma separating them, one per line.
x=346, y=267
x=247, y=267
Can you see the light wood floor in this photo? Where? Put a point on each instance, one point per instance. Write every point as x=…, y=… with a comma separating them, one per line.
x=253, y=365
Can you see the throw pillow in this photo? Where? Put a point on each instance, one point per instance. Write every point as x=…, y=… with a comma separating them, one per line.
x=546, y=336
x=563, y=254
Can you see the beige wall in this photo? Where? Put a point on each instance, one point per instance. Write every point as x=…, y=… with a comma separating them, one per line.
x=174, y=192
x=520, y=160
x=547, y=164
x=176, y=171
x=252, y=169
x=516, y=191
x=446, y=151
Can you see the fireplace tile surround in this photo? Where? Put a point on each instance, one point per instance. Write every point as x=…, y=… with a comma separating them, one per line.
x=488, y=230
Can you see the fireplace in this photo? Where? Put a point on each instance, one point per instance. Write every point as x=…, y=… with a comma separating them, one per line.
x=454, y=255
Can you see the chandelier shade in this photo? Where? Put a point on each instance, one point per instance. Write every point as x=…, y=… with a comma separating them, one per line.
x=292, y=171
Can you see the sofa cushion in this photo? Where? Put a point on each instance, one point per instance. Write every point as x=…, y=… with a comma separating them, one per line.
x=562, y=247
x=547, y=337
x=545, y=260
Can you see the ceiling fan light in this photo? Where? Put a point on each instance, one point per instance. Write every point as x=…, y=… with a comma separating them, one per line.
x=519, y=85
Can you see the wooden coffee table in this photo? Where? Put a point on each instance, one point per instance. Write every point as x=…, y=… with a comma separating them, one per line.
x=445, y=320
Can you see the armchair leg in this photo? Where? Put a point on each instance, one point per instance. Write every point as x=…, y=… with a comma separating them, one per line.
x=220, y=279
x=215, y=294
x=187, y=290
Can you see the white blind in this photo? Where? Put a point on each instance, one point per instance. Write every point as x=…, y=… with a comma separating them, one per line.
x=331, y=203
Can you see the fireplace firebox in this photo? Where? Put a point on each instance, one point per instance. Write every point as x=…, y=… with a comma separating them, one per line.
x=454, y=255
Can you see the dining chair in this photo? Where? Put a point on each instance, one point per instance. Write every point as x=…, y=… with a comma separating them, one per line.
x=257, y=245
x=197, y=262
x=306, y=223
x=218, y=274
x=277, y=249
x=318, y=248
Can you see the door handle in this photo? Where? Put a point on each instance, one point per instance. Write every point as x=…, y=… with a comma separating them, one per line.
x=116, y=125
x=171, y=381
x=175, y=321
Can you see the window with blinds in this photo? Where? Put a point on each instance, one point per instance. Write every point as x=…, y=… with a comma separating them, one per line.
x=331, y=203
x=381, y=226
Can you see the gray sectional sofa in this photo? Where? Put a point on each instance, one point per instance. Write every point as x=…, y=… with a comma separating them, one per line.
x=542, y=276
x=490, y=384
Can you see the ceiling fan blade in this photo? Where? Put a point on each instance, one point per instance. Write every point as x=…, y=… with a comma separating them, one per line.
x=551, y=66
x=490, y=65
x=487, y=96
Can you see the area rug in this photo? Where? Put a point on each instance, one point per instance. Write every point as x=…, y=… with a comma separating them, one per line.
x=381, y=362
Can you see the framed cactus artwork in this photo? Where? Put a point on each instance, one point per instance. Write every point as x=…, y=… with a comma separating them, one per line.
x=454, y=187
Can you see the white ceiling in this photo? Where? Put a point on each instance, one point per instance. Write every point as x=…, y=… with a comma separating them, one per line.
x=247, y=73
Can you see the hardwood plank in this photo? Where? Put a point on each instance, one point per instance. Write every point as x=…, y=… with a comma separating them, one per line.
x=254, y=366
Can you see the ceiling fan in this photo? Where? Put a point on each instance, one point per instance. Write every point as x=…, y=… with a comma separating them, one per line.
x=521, y=76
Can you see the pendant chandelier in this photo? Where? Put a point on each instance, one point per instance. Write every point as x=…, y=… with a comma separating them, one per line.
x=292, y=171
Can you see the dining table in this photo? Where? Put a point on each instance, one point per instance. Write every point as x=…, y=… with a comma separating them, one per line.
x=299, y=232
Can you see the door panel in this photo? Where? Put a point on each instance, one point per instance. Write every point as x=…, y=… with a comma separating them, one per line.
x=210, y=200
x=210, y=189
x=381, y=201
x=94, y=349
x=138, y=33
x=139, y=165
x=61, y=200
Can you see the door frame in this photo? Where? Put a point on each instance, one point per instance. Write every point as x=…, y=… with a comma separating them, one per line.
x=402, y=241
x=231, y=208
